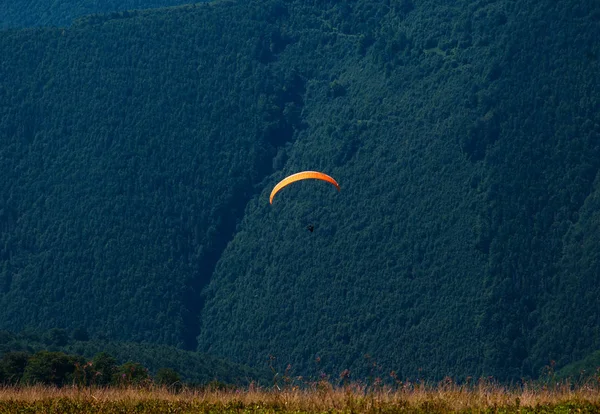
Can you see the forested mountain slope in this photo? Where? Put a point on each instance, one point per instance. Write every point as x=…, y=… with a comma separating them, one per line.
x=25, y=13
x=129, y=149
x=139, y=151
x=465, y=140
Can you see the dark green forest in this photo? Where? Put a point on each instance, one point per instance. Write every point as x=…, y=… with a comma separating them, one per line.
x=138, y=150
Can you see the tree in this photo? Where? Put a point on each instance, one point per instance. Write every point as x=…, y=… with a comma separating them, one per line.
x=50, y=368
x=169, y=378
x=104, y=367
x=12, y=367
x=131, y=373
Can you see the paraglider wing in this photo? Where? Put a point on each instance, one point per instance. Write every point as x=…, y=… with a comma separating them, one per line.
x=304, y=175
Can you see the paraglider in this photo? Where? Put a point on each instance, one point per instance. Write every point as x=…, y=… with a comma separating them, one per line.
x=304, y=175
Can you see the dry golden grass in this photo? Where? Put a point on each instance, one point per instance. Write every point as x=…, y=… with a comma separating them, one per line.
x=322, y=397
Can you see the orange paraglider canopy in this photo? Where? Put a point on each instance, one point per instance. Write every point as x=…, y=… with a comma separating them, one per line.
x=304, y=175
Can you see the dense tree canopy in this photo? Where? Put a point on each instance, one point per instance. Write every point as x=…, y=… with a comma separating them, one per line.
x=138, y=152
x=151, y=164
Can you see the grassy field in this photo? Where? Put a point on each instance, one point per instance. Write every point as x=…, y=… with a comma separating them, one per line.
x=445, y=397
